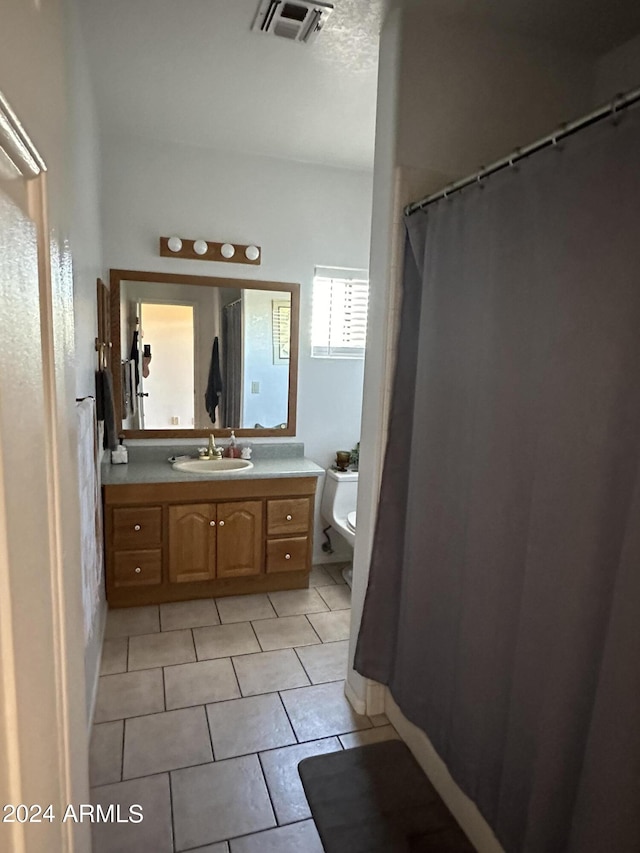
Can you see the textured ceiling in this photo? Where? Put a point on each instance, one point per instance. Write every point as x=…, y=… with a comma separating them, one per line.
x=192, y=71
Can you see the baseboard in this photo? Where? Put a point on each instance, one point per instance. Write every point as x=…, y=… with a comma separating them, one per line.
x=102, y=624
x=461, y=807
x=358, y=705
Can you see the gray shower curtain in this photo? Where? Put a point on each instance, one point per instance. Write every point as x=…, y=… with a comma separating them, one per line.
x=503, y=607
x=232, y=364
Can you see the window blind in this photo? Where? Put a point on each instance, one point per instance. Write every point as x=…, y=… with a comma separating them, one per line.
x=339, y=324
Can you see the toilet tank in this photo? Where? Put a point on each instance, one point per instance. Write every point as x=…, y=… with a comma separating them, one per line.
x=339, y=495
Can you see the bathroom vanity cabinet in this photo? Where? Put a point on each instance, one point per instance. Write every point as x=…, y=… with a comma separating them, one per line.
x=181, y=540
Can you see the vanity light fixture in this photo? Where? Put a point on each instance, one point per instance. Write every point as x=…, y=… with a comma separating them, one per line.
x=209, y=250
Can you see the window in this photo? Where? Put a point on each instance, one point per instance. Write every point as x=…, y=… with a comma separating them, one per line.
x=340, y=302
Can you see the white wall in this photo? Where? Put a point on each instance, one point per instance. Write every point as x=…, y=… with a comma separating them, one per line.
x=85, y=227
x=618, y=71
x=301, y=214
x=83, y=155
x=469, y=95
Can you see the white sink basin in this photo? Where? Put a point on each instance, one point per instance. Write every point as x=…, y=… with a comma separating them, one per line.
x=212, y=466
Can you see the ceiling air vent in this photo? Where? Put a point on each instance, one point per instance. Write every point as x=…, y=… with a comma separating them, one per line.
x=297, y=21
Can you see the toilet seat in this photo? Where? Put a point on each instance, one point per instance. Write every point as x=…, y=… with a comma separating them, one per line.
x=351, y=521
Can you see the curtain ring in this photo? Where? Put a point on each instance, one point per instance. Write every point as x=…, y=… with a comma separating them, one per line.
x=616, y=104
x=559, y=132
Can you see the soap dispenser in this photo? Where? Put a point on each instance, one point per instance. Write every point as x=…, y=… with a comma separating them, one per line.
x=120, y=455
x=233, y=451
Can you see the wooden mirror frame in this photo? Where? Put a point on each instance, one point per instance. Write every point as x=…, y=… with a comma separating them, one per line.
x=117, y=276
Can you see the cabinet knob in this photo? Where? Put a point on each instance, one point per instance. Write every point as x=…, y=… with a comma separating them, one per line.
x=212, y=524
x=136, y=527
x=287, y=556
x=289, y=517
x=138, y=570
x=221, y=523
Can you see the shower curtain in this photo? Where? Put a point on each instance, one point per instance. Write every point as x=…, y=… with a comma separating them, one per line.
x=503, y=607
x=232, y=364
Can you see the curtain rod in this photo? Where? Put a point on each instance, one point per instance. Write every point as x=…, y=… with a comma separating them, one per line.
x=620, y=102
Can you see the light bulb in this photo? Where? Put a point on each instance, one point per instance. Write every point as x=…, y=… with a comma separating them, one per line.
x=252, y=253
x=200, y=247
x=227, y=250
x=174, y=244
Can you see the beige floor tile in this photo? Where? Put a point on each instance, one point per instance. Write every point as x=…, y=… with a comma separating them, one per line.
x=369, y=736
x=280, y=768
x=152, y=834
x=293, y=602
x=163, y=649
x=327, y=662
x=127, y=621
x=244, y=608
x=217, y=801
x=222, y=641
x=335, y=570
x=285, y=633
x=105, y=754
x=319, y=577
x=188, y=614
x=379, y=720
x=114, y=656
x=269, y=671
x=129, y=694
x=299, y=838
x=333, y=626
x=338, y=596
x=165, y=742
x=322, y=711
x=199, y=683
x=248, y=725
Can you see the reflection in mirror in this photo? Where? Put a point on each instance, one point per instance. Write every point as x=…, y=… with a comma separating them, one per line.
x=196, y=357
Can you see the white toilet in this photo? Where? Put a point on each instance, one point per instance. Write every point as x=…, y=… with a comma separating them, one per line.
x=338, y=507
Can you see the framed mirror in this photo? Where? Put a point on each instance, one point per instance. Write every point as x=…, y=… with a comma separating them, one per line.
x=199, y=354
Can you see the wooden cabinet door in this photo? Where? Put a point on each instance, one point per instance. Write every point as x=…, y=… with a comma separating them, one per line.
x=240, y=539
x=192, y=543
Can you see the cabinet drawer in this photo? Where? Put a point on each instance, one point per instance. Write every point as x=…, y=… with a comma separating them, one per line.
x=290, y=515
x=287, y=555
x=137, y=527
x=137, y=568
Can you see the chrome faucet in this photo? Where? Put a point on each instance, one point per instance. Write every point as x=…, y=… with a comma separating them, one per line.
x=214, y=452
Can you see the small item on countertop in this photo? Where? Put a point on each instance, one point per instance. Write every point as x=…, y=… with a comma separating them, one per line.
x=354, y=459
x=120, y=455
x=232, y=451
x=173, y=459
x=246, y=451
x=342, y=459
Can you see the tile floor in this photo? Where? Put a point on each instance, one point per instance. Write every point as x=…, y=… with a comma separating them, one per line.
x=204, y=710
